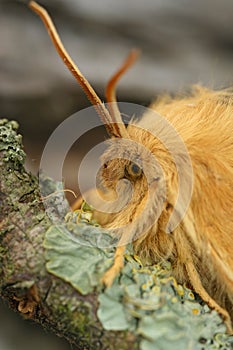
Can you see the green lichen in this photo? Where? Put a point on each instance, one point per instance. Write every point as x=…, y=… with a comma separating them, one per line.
x=166, y=318
x=11, y=142
x=82, y=215
x=72, y=255
x=146, y=300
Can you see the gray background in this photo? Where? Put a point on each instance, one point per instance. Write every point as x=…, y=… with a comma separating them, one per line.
x=183, y=42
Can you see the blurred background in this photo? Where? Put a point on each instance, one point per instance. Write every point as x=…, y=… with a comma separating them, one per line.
x=183, y=42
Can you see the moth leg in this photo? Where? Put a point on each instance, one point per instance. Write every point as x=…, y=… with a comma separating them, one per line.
x=198, y=287
x=78, y=203
x=115, y=269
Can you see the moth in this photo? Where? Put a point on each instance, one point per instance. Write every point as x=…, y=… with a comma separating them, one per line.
x=200, y=246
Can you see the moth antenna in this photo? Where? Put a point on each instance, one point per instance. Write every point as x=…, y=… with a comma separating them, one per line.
x=110, y=91
x=102, y=111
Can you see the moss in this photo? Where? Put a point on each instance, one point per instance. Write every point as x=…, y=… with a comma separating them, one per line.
x=72, y=315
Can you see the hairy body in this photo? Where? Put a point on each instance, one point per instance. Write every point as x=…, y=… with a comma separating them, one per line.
x=200, y=248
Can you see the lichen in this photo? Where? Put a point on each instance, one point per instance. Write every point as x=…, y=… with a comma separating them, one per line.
x=145, y=300
x=69, y=256
x=11, y=142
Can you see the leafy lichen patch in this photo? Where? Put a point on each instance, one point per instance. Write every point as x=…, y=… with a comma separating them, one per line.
x=74, y=255
x=144, y=299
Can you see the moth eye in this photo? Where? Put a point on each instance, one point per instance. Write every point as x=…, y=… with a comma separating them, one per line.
x=133, y=171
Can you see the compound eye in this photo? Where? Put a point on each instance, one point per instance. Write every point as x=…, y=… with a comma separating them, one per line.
x=133, y=170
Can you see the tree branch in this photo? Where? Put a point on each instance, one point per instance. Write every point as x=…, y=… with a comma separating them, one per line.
x=49, y=274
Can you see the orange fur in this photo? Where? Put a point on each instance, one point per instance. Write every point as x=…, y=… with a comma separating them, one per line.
x=200, y=248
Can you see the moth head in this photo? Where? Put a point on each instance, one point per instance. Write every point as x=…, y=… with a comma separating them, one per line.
x=120, y=169
x=129, y=161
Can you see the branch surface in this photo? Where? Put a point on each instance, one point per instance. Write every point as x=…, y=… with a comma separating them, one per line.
x=49, y=273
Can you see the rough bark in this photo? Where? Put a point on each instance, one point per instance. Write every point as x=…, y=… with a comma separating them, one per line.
x=24, y=281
